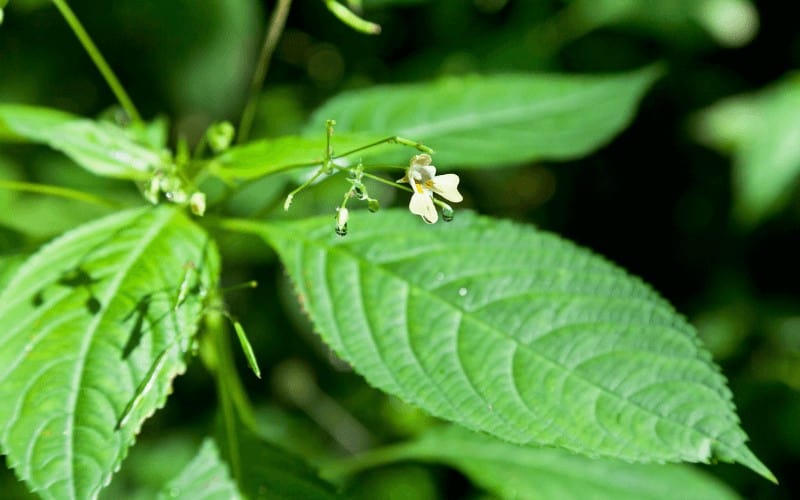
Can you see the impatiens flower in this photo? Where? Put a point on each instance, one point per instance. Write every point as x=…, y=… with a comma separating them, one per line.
x=424, y=182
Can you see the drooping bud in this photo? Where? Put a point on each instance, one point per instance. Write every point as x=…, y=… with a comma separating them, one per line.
x=447, y=212
x=373, y=205
x=359, y=191
x=197, y=203
x=342, y=214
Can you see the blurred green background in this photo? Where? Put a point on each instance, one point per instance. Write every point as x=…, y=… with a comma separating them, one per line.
x=663, y=199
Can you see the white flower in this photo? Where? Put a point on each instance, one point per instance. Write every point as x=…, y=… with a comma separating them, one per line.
x=422, y=178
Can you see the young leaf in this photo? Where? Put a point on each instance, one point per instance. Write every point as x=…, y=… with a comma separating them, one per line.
x=763, y=132
x=99, y=147
x=513, y=471
x=206, y=477
x=489, y=121
x=247, y=349
x=515, y=332
x=89, y=336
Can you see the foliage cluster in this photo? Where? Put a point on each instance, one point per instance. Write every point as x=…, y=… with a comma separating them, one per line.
x=382, y=356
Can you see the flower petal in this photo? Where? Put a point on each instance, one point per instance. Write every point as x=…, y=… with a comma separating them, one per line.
x=422, y=204
x=428, y=172
x=446, y=186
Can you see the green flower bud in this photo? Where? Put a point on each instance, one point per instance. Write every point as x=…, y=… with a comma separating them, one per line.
x=220, y=135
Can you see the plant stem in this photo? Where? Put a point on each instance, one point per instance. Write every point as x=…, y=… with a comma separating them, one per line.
x=71, y=194
x=235, y=409
x=99, y=61
x=387, y=182
x=391, y=140
x=343, y=467
x=216, y=330
x=276, y=24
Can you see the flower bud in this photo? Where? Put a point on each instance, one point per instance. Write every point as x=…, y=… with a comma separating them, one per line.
x=197, y=203
x=342, y=214
x=220, y=136
x=359, y=192
x=373, y=205
x=447, y=212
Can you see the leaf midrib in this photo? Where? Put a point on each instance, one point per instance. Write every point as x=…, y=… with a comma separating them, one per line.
x=499, y=117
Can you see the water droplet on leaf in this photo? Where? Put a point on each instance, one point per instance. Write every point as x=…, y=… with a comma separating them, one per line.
x=462, y=292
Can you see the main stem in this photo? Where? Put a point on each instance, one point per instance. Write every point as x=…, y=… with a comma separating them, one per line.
x=99, y=61
x=276, y=23
x=46, y=189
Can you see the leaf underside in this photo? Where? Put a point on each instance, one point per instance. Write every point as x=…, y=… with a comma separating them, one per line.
x=489, y=121
x=513, y=471
x=515, y=332
x=86, y=325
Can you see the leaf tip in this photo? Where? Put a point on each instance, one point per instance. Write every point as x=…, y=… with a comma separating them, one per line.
x=746, y=458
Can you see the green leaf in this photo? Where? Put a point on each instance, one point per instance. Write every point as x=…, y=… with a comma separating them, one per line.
x=9, y=264
x=205, y=477
x=247, y=349
x=89, y=334
x=269, y=156
x=512, y=471
x=489, y=121
x=99, y=147
x=731, y=23
x=512, y=331
x=763, y=133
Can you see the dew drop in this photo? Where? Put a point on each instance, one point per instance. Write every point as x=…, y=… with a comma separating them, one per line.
x=439, y=276
x=462, y=292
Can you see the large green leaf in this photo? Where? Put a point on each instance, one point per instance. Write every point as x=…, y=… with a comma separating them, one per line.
x=206, y=477
x=513, y=331
x=763, y=132
x=488, y=121
x=100, y=147
x=92, y=332
x=513, y=471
